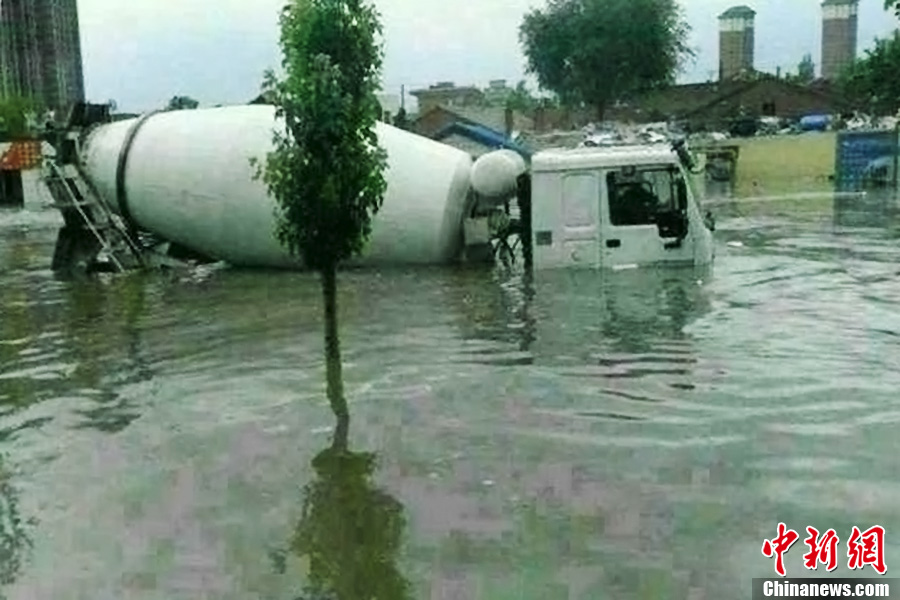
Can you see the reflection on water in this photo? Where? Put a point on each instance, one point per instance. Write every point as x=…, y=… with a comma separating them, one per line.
x=350, y=532
x=877, y=208
x=56, y=338
x=15, y=541
x=630, y=311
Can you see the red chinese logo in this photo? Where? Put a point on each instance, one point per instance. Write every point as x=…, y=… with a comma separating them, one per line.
x=869, y=551
x=821, y=550
x=779, y=546
x=863, y=548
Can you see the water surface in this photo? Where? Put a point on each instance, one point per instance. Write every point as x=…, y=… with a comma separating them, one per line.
x=625, y=435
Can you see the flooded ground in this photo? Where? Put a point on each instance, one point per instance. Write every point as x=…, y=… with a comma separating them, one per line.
x=631, y=435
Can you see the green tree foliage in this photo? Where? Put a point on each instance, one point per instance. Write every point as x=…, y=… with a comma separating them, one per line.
x=806, y=70
x=521, y=99
x=871, y=82
x=14, y=112
x=327, y=169
x=892, y=4
x=599, y=51
x=401, y=119
x=182, y=103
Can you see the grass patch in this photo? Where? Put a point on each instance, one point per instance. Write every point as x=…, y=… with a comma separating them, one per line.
x=788, y=164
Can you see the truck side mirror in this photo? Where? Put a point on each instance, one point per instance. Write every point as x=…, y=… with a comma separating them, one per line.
x=683, y=155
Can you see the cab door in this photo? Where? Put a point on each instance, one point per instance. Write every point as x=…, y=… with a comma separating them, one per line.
x=637, y=233
x=581, y=218
x=627, y=241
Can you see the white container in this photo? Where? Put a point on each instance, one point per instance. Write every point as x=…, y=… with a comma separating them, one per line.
x=495, y=174
x=187, y=178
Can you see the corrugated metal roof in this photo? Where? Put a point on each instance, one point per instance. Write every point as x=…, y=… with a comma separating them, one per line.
x=483, y=135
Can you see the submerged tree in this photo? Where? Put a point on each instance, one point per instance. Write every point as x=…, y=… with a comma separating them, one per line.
x=327, y=169
x=599, y=51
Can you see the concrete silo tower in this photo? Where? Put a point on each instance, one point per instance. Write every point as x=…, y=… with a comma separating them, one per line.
x=736, y=40
x=839, y=30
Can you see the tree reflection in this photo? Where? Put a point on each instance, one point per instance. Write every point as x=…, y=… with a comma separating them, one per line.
x=526, y=313
x=102, y=330
x=349, y=531
x=14, y=540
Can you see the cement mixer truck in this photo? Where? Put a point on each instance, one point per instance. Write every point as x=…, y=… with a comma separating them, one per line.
x=181, y=183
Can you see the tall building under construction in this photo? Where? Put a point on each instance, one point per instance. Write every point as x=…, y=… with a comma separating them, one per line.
x=40, y=53
x=839, y=31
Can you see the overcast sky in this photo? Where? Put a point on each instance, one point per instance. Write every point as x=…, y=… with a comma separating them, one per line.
x=142, y=52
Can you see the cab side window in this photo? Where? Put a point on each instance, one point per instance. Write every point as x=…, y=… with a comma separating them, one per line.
x=648, y=196
x=633, y=200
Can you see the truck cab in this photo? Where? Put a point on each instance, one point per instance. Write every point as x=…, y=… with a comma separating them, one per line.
x=615, y=207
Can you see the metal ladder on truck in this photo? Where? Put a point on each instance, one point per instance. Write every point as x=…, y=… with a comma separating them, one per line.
x=91, y=229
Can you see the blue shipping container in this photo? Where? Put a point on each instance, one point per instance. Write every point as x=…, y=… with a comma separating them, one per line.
x=858, y=152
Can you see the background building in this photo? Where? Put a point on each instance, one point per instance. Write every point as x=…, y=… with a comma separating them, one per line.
x=839, y=30
x=497, y=92
x=736, y=41
x=40, y=52
x=447, y=93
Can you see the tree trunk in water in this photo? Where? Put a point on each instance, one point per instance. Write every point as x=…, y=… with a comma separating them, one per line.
x=523, y=198
x=334, y=376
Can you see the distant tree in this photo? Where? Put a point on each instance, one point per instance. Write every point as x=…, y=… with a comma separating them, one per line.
x=15, y=114
x=806, y=70
x=549, y=101
x=599, y=51
x=892, y=4
x=182, y=103
x=401, y=119
x=521, y=99
x=871, y=82
x=327, y=170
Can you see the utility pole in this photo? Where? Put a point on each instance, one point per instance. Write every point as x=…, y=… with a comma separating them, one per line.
x=401, y=120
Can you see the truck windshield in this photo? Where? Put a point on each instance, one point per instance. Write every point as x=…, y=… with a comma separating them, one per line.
x=638, y=196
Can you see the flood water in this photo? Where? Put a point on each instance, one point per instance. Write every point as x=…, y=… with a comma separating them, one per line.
x=624, y=435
